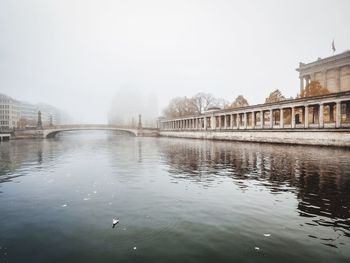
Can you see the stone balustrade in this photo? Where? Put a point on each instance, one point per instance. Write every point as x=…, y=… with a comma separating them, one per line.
x=326, y=111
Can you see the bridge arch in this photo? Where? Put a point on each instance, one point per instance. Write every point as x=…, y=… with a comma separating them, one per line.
x=50, y=133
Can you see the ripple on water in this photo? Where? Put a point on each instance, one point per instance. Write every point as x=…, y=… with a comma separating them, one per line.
x=182, y=200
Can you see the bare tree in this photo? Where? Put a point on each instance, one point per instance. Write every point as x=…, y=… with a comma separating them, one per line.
x=183, y=106
x=203, y=101
x=180, y=106
x=221, y=103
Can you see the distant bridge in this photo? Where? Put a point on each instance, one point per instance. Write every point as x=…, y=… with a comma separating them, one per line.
x=51, y=131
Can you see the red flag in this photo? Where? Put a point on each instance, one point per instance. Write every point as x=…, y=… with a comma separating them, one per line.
x=333, y=46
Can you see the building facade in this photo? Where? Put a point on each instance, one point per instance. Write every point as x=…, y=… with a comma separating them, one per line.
x=9, y=113
x=16, y=114
x=332, y=72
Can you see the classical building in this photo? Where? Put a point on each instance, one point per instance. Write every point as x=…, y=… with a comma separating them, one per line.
x=332, y=72
x=9, y=113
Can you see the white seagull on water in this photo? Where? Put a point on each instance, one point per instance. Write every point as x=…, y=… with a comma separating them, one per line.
x=115, y=221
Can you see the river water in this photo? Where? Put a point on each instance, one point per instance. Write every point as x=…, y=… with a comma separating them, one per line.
x=178, y=200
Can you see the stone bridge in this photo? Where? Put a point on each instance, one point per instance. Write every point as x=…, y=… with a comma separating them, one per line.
x=51, y=131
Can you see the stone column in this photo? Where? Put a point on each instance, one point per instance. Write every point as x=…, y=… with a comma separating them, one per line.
x=281, y=118
x=261, y=119
x=213, y=122
x=271, y=118
x=238, y=120
x=293, y=117
x=338, y=115
x=338, y=79
x=321, y=116
x=253, y=120
x=306, y=116
x=307, y=78
x=245, y=120
x=225, y=122
x=205, y=122
x=301, y=84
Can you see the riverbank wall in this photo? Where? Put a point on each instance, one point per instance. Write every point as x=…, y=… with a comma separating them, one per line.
x=337, y=138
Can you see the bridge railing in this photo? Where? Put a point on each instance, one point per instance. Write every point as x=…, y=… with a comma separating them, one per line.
x=94, y=126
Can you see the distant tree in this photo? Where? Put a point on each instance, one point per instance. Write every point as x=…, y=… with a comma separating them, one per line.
x=240, y=101
x=203, y=101
x=314, y=88
x=221, y=103
x=180, y=106
x=275, y=96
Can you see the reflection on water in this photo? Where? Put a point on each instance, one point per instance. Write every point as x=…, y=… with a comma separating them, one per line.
x=319, y=177
x=212, y=201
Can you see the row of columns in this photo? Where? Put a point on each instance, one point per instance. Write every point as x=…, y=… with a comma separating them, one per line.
x=243, y=120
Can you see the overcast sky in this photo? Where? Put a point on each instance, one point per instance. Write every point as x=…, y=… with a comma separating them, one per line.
x=77, y=54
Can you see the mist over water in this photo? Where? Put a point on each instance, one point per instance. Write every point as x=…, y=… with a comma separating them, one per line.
x=178, y=200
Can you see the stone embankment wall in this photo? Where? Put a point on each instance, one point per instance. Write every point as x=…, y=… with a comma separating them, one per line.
x=28, y=134
x=339, y=138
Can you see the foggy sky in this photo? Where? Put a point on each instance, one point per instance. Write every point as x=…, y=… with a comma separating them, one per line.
x=76, y=55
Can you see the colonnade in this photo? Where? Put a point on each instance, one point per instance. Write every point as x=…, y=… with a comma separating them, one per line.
x=328, y=111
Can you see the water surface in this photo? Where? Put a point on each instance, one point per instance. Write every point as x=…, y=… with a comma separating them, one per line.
x=178, y=200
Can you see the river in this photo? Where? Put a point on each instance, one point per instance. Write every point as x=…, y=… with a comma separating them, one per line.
x=178, y=200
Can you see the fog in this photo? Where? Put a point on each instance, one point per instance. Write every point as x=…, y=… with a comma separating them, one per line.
x=89, y=57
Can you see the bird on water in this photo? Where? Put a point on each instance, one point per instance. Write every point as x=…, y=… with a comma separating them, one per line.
x=115, y=221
